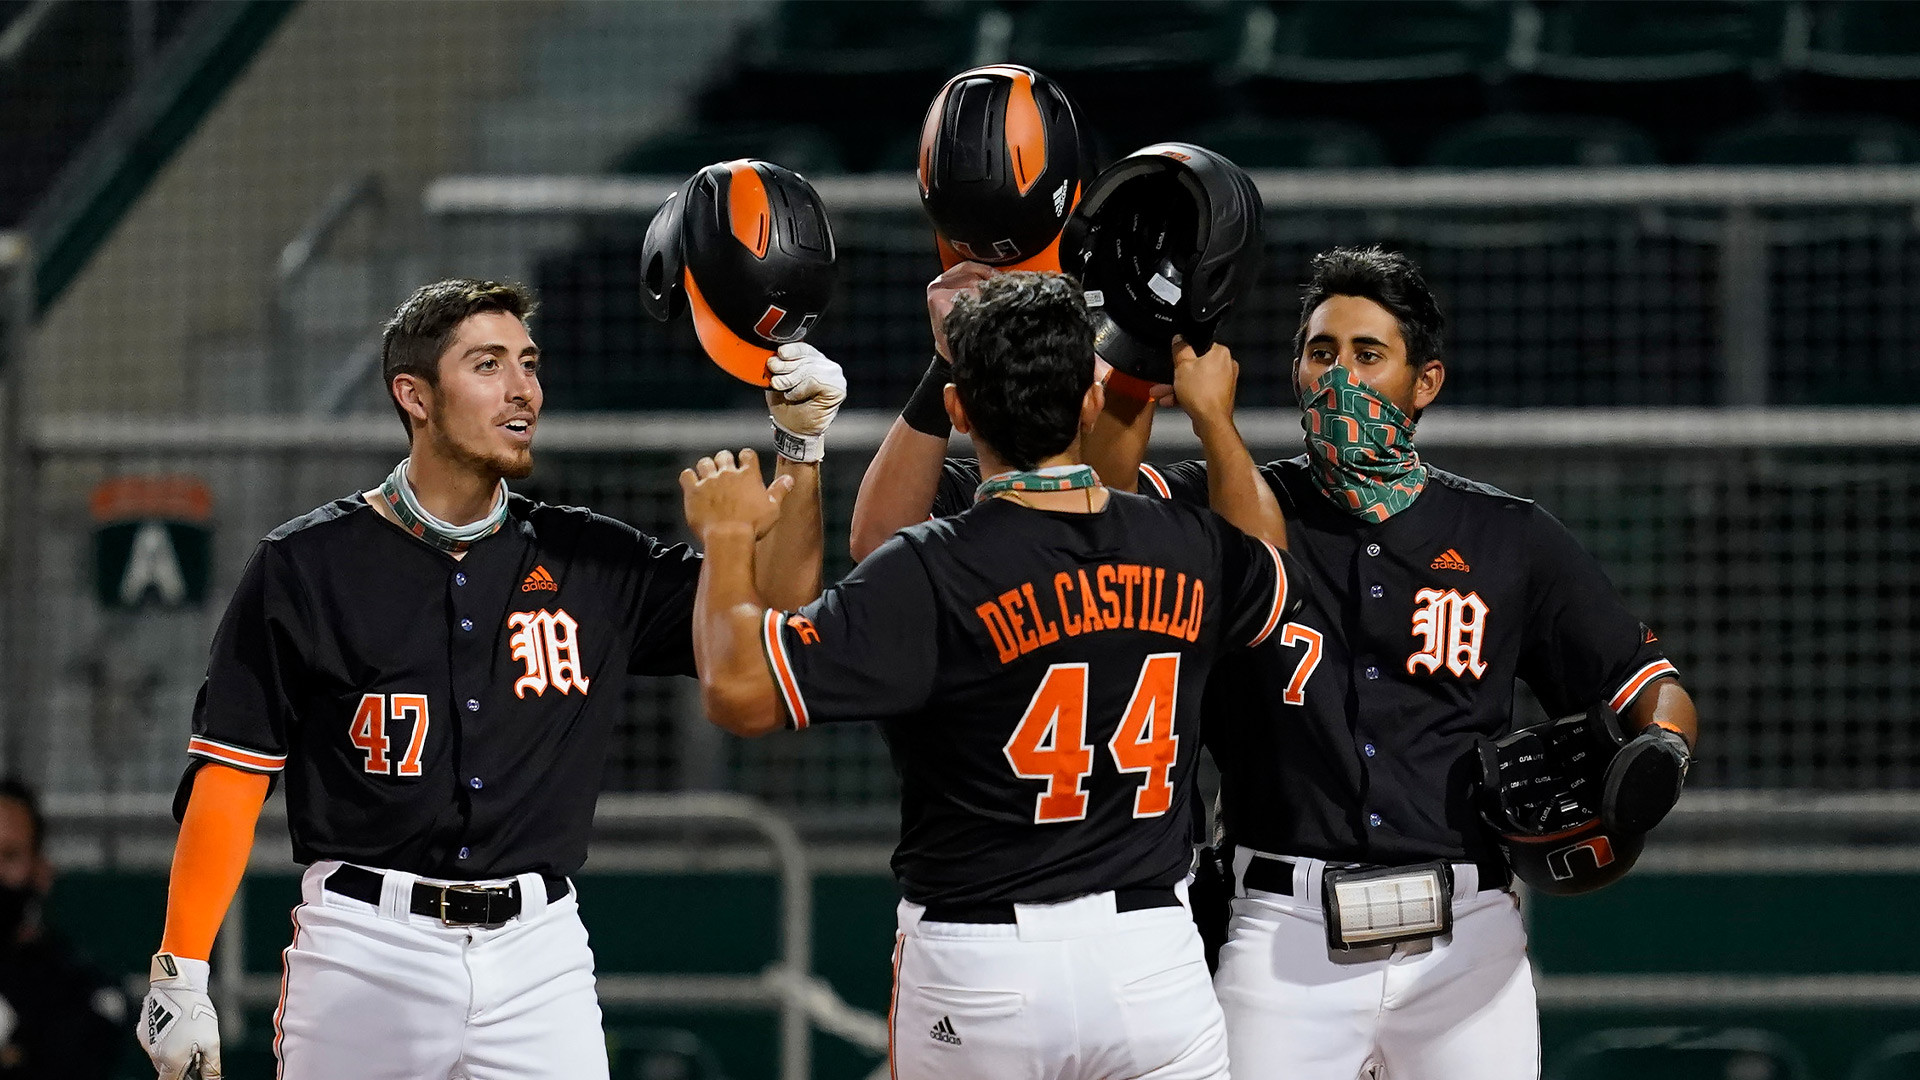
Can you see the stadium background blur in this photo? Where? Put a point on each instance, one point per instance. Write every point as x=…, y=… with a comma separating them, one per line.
x=1679, y=243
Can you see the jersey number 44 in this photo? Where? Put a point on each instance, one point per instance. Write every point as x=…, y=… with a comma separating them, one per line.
x=1050, y=742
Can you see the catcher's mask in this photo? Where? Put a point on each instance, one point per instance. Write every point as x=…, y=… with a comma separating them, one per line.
x=1541, y=789
x=1164, y=242
x=1003, y=160
x=745, y=246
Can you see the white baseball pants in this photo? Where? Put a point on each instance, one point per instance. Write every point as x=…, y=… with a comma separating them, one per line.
x=1071, y=991
x=375, y=992
x=1458, y=1007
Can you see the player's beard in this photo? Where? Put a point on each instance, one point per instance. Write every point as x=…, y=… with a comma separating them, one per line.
x=491, y=462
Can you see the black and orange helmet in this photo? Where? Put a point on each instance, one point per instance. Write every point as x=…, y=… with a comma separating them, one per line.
x=1541, y=789
x=746, y=248
x=1003, y=159
x=1166, y=239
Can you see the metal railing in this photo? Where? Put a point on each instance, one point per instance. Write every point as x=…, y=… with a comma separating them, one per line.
x=801, y=1000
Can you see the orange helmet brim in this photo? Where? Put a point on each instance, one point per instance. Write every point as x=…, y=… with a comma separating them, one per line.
x=1046, y=259
x=744, y=360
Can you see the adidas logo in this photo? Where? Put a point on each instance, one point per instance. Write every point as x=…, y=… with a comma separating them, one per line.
x=1060, y=200
x=158, y=1019
x=539, y=580
x=943, y=1032
x=1449, y=560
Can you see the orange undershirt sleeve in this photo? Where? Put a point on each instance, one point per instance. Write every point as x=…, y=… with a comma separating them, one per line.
x=216, y=838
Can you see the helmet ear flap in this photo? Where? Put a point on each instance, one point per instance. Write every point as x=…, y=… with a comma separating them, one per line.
x=663, y=258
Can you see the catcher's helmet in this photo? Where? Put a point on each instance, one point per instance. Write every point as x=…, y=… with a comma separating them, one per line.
x=1002, y=162
x=745, y=246
x=1164, y=242
x=1541, y=790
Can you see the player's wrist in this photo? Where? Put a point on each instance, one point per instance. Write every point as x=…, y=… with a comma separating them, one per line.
x=926, y=409
x=178, y=972
x=795, y=447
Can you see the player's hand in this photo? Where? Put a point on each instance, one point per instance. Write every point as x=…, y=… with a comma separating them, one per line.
x=1204, y=383
x=959, y=278
x=177, y=1025
x=721, y=490
x=807, y=392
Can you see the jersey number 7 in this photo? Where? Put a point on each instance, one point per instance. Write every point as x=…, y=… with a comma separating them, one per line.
x=1050, y=742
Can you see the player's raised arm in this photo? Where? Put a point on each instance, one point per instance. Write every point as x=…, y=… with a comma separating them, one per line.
x=1117, y=444
x=807, y=391
x=728, y=509
x=899, y=486
x=1204, y=383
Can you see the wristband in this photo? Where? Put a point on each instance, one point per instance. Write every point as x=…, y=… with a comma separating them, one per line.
x=926, y=410
x=804, y=449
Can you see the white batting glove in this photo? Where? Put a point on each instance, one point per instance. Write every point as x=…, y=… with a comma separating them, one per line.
x=807, y=391
x=177, y=1026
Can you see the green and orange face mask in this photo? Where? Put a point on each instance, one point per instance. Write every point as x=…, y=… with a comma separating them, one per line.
x=1360, y=448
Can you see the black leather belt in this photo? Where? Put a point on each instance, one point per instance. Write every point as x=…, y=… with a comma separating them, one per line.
x=454, y=905
x=1276, y=876
x=1123, y=900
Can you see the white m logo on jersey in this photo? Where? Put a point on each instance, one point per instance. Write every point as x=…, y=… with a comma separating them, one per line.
x=1451, y=627
x=546, y=641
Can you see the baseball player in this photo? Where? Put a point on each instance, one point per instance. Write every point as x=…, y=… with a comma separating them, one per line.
x=1347, y=741
x=1035, y=666
x=433, y=666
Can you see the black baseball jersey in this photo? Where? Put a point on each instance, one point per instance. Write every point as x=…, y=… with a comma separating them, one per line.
x=445, y=716
x=1347, y=735
x=1037, y=677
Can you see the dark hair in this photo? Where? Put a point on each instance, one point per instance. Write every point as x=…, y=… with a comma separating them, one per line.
x=422, y=326
x=16, y=789
x=1387, y=278
x=1022, y=349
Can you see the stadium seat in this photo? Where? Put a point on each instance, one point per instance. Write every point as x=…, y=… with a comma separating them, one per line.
x=1142, y=71
x=1402, y=67
x=1519, y=141
x=1857, y=57
x=1675, y=68
x=1680, y=1053
x=679, y=153
x=1895, y=1058
x=1297, y=144
x=861, y=72
x=1815, y=140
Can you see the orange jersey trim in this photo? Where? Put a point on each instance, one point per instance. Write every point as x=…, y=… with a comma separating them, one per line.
x=776, y=648
x=1279, y=595
x=1159, y=482
x=237, y=756
x=1632, y=687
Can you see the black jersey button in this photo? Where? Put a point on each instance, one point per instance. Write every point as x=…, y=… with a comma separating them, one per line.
x=464, y=852
x=1373, y=549
x=475, y=784
x=1369, y=749
x=466, y=624
x=1373, y=673
x=473, y=704
x=1377, y=591
x=1372, y=819
x=459, y=579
